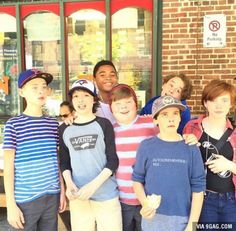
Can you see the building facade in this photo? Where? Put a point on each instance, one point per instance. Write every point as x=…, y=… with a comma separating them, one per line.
x=145, y=39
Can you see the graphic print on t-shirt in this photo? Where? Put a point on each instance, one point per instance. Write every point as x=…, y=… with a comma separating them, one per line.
x=210, y=150
x=84, y=142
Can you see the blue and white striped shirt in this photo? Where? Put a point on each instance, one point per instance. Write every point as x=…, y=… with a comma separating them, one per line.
x=35, y=141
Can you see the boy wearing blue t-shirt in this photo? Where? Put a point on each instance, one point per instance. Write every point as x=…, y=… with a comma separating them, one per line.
x=31, y=171
x=168, y=167
x=178, y=86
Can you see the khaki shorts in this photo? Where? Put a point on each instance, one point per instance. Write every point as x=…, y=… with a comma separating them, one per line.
x=87, y=215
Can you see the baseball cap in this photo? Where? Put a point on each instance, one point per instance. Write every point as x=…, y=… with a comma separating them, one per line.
x=125, y=88
x=30, y=74
x=83, y=84
x=165, y=102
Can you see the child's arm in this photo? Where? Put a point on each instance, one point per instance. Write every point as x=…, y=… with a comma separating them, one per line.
x=89, y=189
x=62, y=206
x=71, y=188
x=14, y=215
x=196, y=206
x=147, y=212
x=112, y=161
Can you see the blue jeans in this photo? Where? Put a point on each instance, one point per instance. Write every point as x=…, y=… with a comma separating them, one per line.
x=131, y=217
x=218, y=211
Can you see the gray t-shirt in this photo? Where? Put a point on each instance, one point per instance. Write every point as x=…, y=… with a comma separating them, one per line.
x=86, y=149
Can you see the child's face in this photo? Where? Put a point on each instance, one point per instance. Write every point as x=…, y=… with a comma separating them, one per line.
x=35, y=91
x=124, y=110
x=168, y=119
x=220, y=106
x=173, y=88
x=106, y=78
x=82, y=102
x=65, y=112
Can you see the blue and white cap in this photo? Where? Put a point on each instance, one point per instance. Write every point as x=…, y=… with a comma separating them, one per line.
x=83, y=84
x=165, y=102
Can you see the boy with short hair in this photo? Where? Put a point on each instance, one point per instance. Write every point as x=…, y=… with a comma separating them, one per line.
x=106, y=77
x=179, y=87
x=31, y=173
x=88, y=162
x=166, y=166
x=130, y=129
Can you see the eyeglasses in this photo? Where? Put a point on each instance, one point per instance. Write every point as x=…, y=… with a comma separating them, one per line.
x=64, y=116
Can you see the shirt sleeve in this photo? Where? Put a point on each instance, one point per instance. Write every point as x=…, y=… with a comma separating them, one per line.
x=64, y=155
x=110, y=147
x=185, y=117
x=198, y=176
x=147, y=109
x=139, y=171
x=9, y=140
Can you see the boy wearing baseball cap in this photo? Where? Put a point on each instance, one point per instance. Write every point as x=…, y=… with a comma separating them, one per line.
x=168, y=167
x=31, y=172
x=88, y=161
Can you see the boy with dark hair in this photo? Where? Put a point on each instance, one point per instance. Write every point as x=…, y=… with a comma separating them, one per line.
x=31, y=173
x=66, y=110
x=88, y=162
x=168, y=167
x=106, y=77
x=179, y=87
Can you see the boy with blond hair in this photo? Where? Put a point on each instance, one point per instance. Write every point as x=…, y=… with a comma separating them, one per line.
x=31, y=173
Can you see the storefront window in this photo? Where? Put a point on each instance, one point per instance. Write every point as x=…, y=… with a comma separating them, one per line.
x=132, y=49
x=8, y=66
x=86, y=42
x=43, y=51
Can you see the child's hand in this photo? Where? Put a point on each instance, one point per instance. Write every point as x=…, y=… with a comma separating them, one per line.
x=63, y=203
x=150, y=205
x=147, y=212
x=191, y=139
x=15, y=217
x=219, y=164
x=71, y=191
x=87, y=191
x=70, y=119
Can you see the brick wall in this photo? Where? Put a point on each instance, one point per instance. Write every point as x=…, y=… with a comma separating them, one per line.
x=183, y=51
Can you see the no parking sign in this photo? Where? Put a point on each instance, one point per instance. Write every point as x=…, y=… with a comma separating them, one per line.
x=214, y=31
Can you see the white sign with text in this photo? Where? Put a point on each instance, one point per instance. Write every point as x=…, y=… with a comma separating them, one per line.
x=214, y=30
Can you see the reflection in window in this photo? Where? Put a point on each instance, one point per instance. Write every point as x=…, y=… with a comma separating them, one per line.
x=9, y=105
x=131, y=48
x=86, y=42
x=43, y=51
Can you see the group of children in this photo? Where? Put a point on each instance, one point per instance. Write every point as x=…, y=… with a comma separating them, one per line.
x=111, y=171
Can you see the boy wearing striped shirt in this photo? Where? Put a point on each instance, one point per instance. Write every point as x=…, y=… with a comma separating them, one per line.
x=130, y=129
x=31, y=173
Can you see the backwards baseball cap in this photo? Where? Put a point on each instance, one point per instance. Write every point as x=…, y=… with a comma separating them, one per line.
x=26, y=76
x=124, y=90
x=83, y=84
x=165, y=102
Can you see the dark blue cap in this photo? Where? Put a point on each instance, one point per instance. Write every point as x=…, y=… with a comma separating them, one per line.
x=30, y=74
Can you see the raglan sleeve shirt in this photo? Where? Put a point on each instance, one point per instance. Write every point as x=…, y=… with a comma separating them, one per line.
x=110, y=148
x=64, y=154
